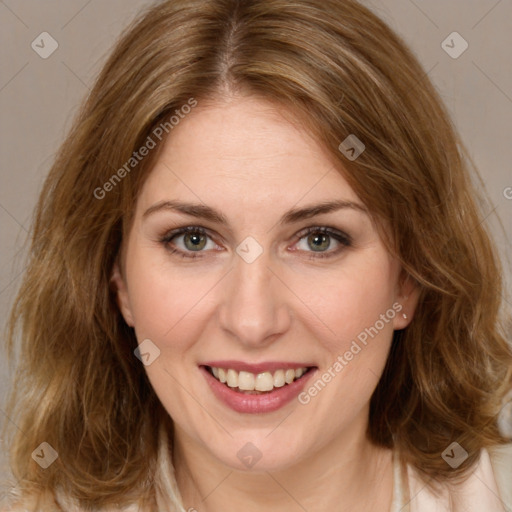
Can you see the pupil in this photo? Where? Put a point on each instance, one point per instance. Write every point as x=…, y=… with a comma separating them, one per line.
x=195, y=239
x=320, y=238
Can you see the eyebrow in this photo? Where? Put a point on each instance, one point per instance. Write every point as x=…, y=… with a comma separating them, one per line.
x=294, y=215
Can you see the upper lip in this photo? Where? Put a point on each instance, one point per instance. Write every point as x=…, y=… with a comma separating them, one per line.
x=241, y=366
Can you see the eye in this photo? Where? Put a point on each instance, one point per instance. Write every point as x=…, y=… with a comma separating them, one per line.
x=319, y=240
x=194, y=240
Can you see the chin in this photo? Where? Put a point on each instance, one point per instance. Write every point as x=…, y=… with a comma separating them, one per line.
x=259, y=452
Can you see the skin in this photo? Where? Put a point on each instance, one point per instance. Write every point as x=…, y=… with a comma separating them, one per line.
x=241, y=156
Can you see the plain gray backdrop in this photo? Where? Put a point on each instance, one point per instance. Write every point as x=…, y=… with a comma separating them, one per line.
x=39, y=97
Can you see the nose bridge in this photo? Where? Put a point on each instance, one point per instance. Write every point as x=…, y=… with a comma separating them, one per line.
x=253, y=309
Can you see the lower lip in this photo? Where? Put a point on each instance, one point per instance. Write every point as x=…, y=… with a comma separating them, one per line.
x=256, y=404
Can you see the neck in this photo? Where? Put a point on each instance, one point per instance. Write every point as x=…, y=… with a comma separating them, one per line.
x=349, y=474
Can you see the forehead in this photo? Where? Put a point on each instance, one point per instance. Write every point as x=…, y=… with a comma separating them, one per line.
x=246, y=152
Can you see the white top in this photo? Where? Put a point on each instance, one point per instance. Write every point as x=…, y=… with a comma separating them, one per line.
x=487, y=489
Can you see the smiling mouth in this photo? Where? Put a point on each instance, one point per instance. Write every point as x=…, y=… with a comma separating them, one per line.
x=257, y=384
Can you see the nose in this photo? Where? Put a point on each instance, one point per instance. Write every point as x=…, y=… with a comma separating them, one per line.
x=254, y=308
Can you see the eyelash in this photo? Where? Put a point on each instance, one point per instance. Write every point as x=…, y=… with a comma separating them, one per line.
x=339, y=236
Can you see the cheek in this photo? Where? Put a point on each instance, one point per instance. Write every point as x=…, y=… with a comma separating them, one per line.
x=338, y=303
x=166, y=299
x=351, y=299
x=356, y=310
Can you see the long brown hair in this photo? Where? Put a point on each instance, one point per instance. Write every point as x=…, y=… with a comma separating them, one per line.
x=342, y=71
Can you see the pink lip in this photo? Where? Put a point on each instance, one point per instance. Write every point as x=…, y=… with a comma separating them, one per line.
x=271, y=366
x=256, y=404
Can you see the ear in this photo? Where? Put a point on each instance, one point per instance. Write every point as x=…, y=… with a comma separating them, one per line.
x=407, y=296
x=118, y=284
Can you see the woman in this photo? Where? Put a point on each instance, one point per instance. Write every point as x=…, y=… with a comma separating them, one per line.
x=259, y=279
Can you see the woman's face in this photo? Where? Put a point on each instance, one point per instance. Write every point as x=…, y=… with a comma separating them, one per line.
x=250, y=292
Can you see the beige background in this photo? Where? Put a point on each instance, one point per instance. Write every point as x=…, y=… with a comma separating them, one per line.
x=38, y=98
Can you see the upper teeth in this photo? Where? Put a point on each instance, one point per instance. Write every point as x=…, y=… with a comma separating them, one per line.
x=265, y=381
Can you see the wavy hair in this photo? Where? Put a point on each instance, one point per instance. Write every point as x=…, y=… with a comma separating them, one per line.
x=340, y=70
